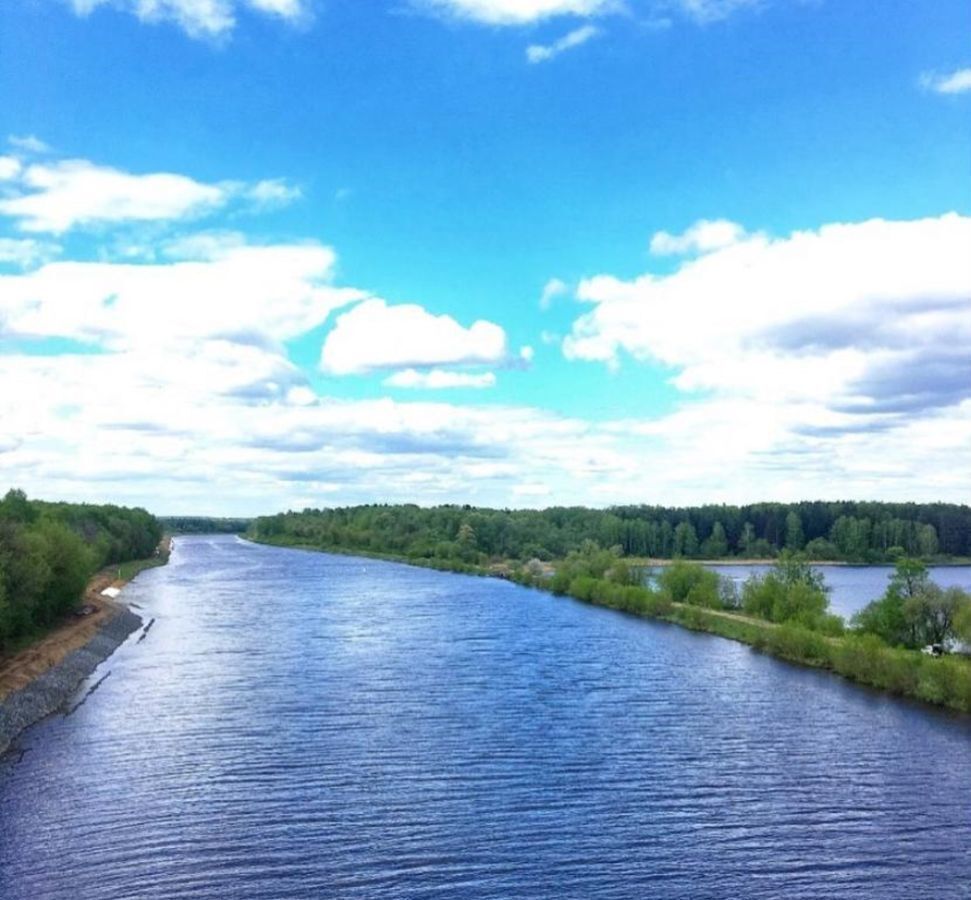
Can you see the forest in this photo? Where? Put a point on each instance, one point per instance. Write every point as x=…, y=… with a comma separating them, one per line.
x=49, y=551
x=833, y=531
x=203, y=525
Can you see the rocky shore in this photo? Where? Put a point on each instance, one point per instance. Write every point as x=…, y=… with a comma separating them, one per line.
x=50, y=691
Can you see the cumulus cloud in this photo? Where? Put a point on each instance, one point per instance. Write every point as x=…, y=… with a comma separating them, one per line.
x=957, y=82
x=59, y=196
x=198, y=18
x=376, y=335
x=247, y=294
x=437, y=379
x=702, y=237
x=832, y=360
x=537, y=53
x=821, y=330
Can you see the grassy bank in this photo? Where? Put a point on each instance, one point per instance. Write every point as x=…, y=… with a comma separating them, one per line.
x=862, y=658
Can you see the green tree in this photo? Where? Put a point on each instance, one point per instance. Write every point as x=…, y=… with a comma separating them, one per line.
x=792, y=592
x=716, y=545
x=795, y=539
x=927, y=542
x=914, y=611
x=685, y=540
x=688, y=582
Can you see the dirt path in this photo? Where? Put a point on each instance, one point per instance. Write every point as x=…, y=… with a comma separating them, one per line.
x=18, y=671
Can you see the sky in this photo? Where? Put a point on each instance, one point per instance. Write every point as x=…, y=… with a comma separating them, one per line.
x=270, y=254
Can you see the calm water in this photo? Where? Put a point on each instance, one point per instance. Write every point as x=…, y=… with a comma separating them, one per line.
x=302, y=725
x=853, y=587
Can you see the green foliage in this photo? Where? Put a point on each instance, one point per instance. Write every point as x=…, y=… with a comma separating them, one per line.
x=962, y=624
x=48, y=551
x=203, y=525
x=692, y=583
x=914, y=612
x=794, y=535
x=793, y=592
x=857, y=532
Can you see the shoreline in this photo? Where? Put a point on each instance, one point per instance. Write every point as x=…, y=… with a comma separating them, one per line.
x=903, y=674
x=40, y=679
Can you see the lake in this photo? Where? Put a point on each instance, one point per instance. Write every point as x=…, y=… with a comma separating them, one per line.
x=301, y=725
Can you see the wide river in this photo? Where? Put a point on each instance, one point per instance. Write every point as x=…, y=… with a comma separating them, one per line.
x=304, y=725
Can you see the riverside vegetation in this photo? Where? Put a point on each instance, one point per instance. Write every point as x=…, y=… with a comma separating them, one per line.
x=848, y=532
x=49, y=551
x=784, y=613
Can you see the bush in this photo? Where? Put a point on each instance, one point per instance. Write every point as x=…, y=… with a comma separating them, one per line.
x=685, y=582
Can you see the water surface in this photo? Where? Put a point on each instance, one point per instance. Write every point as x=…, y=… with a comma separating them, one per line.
x=304, y=725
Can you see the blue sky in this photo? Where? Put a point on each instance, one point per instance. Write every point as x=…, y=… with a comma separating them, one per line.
x=304, y=189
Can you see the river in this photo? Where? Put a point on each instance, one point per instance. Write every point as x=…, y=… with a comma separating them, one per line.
x=306, y=725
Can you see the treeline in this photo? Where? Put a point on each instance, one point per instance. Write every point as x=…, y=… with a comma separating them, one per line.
x=203, y=525
x=838, y=531
x=48, y=551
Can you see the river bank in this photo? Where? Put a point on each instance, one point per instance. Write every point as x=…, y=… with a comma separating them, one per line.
x=39, y=679
x=864, y=659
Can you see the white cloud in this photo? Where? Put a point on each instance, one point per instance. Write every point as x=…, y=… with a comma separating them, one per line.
x=551, y=290
x=702, y=237
x=957, y=82
x=28, y=143
x=826, y=363
x=531, y=490
x=255, y=295
x=26, y=252
x=835, y=353
x=873, y=285
x=705, y=11
x=375, y=335
x=537, y=53
x=59, y=196
x=273, y=192
x=518, y=12
x=198, y=18
x=10, y=168
x=437, y=379
x=69, y=193
x=528, y=12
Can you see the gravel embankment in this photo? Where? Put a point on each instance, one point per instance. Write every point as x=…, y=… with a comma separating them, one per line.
x=49, y=692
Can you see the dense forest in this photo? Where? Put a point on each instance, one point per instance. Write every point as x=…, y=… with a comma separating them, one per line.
x=48, y=551
x=203, y=525
x=848, y=531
